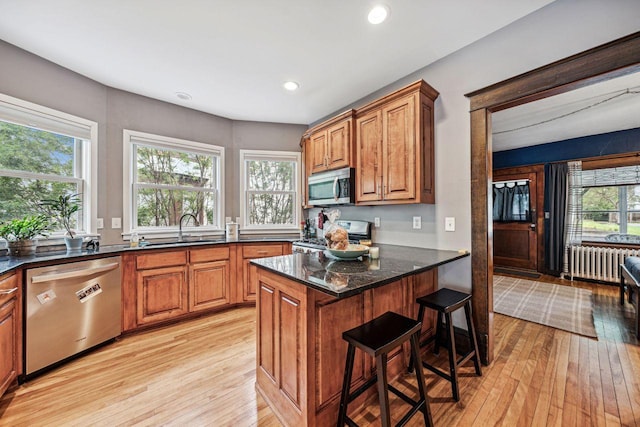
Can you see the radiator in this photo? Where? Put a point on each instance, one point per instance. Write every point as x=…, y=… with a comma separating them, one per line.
x=598, y=263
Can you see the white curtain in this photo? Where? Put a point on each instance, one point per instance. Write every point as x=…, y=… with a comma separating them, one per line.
x=573, y=221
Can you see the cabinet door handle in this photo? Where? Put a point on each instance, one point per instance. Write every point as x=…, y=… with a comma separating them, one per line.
x=8, y=291
x=266, y=289
x=293, y=303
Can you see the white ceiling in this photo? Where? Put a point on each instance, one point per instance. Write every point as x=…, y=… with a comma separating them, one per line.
x=591, y=110
x=233, y=56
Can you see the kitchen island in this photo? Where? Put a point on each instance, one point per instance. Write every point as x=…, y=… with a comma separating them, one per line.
x=306, y=301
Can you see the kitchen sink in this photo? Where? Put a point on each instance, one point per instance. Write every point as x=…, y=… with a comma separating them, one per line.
x=186, y=240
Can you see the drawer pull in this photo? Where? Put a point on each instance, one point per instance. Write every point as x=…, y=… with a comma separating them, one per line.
x=263, y=252
x=266, y=289
x=8, y=291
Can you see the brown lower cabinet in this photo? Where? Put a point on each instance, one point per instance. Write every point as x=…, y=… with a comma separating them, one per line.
x=10, y=330
x=251, y=251
x=161, y=285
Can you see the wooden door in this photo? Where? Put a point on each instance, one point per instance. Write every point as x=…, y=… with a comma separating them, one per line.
x=8, y=344
x=399, y=149
x=369, y=157
x=318, y=151
x=515, y=244
x=162, y=294
x=338, y=145
x=209, y=285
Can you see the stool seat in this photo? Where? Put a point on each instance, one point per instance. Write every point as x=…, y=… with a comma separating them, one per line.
x=382, y=333
x=445, y=301
x=377, y=338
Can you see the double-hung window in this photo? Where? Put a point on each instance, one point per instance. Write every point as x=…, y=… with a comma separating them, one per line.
x=270, y=188
x=611, y=204
x=166, y=178
x=44, y=154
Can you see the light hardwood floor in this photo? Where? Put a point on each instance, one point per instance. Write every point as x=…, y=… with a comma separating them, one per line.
x=202, y=372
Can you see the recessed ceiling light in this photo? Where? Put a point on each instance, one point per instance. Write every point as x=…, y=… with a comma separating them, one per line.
x=378, y=14
x=184, y=96
x=291, y=85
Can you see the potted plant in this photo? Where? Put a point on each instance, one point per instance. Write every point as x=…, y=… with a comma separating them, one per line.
x=63, y=208
x=20, y=234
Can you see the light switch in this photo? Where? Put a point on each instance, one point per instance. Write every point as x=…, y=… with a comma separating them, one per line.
x=450, y=224
x=376, y=221
x=99, y=223
x=116, y=223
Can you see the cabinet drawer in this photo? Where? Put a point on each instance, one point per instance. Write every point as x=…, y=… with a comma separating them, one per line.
x=9, y=287
x=261, y=251
x=218, y=253
x=162, y=259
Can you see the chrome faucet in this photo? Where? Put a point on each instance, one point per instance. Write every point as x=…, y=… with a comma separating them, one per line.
x=180, y=224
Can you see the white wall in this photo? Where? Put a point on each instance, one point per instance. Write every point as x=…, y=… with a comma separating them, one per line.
x=561, y=29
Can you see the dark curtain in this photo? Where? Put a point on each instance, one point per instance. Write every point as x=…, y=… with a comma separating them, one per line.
x=511, y=203
x=555, y=206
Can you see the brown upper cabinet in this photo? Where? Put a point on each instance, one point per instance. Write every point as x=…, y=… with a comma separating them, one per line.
x=395, y=148
x=330, y=144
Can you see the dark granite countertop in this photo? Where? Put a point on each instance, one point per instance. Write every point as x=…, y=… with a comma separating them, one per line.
x=342, y=278
x=8, y=263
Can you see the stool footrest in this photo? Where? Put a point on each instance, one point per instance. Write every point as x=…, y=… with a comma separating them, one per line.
x=415, y=405
x=354, y=395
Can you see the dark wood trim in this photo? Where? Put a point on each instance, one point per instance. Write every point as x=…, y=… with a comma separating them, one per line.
x=482, y=232
x=610, y=60
x=617, y=58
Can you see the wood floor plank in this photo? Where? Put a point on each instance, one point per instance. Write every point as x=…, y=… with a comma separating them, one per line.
x=202, y=372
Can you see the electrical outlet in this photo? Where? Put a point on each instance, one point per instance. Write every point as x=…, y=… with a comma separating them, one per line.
x=116, y=223
x=376, y=221
x=417, y=222
x=450, y=224
x=99, y=223
x=227, y=219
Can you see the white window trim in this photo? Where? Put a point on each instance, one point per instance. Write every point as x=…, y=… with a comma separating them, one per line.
x=29, y=113
x=171, y=143
x=266, y=155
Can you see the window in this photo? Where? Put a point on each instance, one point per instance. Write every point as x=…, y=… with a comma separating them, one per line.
x=611, y=204
x=511, y=201
x=166, y=178
x=44, y=154
x=270, y=185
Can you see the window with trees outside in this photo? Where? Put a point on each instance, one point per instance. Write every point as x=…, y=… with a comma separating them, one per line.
x=44, y=154
x=611, y=204
x=270, y=185
x=168, y=178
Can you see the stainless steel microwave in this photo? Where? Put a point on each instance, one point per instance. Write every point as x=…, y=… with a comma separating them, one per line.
x=336, y=187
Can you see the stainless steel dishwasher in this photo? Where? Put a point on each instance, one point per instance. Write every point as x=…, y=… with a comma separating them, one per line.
x=70, y=308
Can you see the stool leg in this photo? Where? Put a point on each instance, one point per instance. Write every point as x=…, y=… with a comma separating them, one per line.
x=472, y=337
x=415, y=352
x=381, y=367
x=452, y=357
x=346, y=385
x=420, y=319
x=436, y=346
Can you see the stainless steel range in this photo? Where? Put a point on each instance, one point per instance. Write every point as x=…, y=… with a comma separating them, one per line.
x=358, y=230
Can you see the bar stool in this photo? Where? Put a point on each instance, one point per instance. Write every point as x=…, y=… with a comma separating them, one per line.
x=376, y=338
x=445, y=301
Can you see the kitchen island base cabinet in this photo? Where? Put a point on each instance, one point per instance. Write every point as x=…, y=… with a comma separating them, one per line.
x=300, y=350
